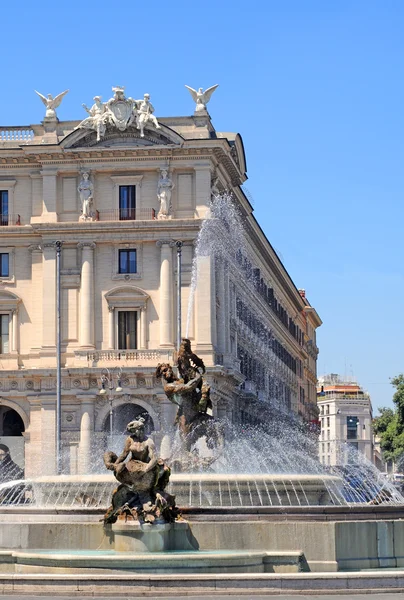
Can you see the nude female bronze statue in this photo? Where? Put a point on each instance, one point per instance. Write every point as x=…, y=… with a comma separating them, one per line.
x=143, y=479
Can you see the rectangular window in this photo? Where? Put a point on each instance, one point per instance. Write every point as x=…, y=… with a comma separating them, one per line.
x=327, y=409
x=3, y=207
x=127, y=261
x=127, y=329
x=4, y=265
x=127, y=202
x=328, y=421
x=4, y=333
x=352, y=428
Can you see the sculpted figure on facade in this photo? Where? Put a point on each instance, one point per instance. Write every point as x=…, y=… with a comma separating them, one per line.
x=145, y=110
x=86, y=191
x=119, y=112
x=165, y=187
x=52, y=103
x=97, y=119
x=201, y=97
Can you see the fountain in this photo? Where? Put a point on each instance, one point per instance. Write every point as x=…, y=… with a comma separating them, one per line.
x=241, y=499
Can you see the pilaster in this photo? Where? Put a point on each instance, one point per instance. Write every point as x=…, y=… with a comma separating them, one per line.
x=49, y=206
x=49, y=297
x=205, y=309
x=202, y=190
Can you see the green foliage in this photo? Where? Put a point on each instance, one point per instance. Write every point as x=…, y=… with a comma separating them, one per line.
x=389, y=425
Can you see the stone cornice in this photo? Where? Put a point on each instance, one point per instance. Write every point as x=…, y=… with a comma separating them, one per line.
x=215, y=150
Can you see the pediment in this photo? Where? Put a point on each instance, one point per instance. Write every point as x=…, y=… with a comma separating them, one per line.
x=130, y=138
x=126, y=296
x=8, y=300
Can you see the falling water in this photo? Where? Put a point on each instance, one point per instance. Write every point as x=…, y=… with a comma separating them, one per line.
x=220, y=234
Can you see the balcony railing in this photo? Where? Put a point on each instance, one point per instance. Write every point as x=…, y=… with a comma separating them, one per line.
x=135, y=357
x=6, y=220
x=126, y=214
x=19, y=134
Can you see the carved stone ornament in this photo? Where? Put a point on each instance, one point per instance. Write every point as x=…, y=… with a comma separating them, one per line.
x=119, y=112
x=120, y=109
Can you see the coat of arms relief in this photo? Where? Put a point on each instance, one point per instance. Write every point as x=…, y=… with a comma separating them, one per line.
x=120, y=112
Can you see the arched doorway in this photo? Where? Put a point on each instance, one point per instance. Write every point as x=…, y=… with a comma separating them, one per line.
x=11, y=440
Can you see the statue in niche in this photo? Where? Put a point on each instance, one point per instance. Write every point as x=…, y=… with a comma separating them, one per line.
x=192, y=396
x=165, y=187
x=144, y=114
x=86, y=190
x=143, y=479
x=97, y=119
x=52, y=103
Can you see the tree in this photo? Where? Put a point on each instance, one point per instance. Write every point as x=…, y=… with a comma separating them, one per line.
x=389, y=425
x=398, y=398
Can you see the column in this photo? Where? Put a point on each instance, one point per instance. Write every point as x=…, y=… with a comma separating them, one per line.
x=86, y=433
x=143, y=331
x=166, y=293
x=111, y=327
x=49, y=296
x=87, y=295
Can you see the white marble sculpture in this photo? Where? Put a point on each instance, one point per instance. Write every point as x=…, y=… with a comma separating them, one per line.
x=201, y=97
x=86, y=191
x=214, y=188
x=119, y=112
x=97, y=119
x=52, y=103
x=145, y=110
x=164, y=189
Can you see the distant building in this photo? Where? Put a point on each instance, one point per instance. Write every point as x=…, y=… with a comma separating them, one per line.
x=345, y=416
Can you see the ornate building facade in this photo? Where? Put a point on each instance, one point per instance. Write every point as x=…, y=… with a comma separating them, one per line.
x=118, y=190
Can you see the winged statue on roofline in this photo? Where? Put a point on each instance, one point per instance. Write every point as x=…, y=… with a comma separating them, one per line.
x=52, y=103
x=201, y=97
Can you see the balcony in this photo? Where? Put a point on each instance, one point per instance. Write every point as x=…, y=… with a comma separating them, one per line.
x=9, y=220
x=123, y=358
x=126, y=214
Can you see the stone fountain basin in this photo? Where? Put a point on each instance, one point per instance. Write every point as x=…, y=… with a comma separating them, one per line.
x=196, y=489
x=104, y=562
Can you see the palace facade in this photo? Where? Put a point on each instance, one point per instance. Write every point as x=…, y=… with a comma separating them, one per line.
x=118, y=201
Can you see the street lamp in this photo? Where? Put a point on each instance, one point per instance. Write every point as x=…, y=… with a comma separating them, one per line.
x=108, y=380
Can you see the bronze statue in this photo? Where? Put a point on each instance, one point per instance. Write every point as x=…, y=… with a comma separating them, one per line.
x=192, y=395
x=143, y=479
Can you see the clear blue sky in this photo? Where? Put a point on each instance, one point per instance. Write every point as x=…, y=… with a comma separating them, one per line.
x=316, y=89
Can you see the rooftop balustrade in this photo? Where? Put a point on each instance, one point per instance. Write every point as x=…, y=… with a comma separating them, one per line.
x=20, y=134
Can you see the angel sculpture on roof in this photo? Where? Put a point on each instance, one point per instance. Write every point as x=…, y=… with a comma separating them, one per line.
x=201, y=97
x=52, y=103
